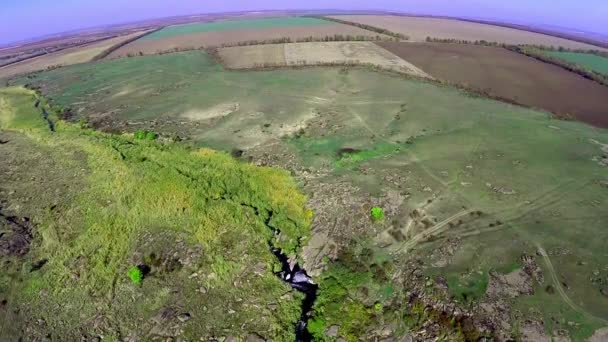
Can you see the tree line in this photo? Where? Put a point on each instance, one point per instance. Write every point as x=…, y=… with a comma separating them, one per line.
x=380, y=30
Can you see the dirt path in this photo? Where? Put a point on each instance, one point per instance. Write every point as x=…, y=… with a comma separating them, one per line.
x=560, y=289
x=411, y=243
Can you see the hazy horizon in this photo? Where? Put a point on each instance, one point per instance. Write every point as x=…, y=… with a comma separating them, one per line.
x=28, y=19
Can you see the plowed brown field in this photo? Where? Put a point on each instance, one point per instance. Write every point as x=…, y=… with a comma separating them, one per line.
x=512, y=76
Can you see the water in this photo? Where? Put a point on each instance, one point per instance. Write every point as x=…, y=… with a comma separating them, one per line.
x=300, y=281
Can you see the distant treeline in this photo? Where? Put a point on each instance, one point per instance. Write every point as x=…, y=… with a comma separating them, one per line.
x=334, y=38
x=537, y=52
x=365, y=27
x=283, y=40
x=107, y=52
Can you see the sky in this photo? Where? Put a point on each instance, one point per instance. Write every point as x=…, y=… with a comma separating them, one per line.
x=25, y=19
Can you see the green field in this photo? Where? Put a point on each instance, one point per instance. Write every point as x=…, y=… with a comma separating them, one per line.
x=244, y=24
x=493, y=181
x=589, y=61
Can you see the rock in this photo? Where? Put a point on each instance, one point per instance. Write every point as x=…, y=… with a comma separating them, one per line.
x=600, y=335
x=604, y=291
x=332, y=331
x=185, y=317
x=254, y=338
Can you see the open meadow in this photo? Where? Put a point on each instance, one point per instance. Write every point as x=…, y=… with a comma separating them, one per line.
x=511, y=76
x=232, y=32
x=419, y=28
x=494, y=209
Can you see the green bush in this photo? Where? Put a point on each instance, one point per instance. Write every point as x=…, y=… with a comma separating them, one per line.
x=136, y=275
x=151, y=136
x=140, y=134
x=377, y=214
x=145, y=135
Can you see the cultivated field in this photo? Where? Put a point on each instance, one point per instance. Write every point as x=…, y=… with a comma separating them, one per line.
x=418, y=29
x=233, y=32
x=14, y=54
x=80, y=54
x=589, y=61
x=315, y=53
x=232, y=25
x=243, y=57
x=512, y=76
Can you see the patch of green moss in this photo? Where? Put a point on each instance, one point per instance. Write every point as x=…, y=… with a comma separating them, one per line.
x=377, y=214
x=135, y=275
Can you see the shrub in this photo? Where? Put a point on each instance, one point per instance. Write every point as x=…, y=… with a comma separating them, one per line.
x=140, y=134
x=377, y=214
x=145, y=135
x=151, y=136
x=136, y=275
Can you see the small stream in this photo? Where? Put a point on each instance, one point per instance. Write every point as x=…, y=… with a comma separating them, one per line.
x=45, y=116
x=297, y=278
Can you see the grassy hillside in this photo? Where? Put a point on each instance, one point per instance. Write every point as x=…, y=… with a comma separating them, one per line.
x=196, y=222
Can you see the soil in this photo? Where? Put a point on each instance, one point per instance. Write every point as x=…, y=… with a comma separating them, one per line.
x=350, y=52
x=15, y=235
x=210, y=39
x=512, y=76
x=418, y=28
x=249, y=56
x=600, y=335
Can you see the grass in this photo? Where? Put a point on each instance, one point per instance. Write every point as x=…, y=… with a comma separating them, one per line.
x=142, y=197
x=243, y=24
x=341, y=301
x=382, y=149
x=539, y=177
x=468, y=288
x=589, y=61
